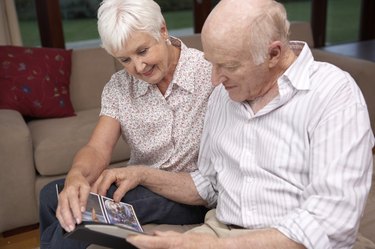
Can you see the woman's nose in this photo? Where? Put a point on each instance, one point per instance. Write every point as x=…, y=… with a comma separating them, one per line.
x=139, y=66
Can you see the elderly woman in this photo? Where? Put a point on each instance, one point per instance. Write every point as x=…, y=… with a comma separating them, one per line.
x=157, y=104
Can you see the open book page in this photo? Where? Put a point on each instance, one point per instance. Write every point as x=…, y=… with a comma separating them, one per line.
x=101, y=209
x=121, y=214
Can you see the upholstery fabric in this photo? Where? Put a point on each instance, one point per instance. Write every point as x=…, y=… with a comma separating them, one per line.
x=56, y=141
x=35, y=81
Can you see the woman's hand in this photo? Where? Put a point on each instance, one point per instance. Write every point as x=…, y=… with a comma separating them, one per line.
x=125, y=178
x=72, y=200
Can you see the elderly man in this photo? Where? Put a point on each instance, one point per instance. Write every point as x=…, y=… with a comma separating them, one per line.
x=285, y=155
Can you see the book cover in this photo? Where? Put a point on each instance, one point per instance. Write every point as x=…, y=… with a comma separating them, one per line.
x=106, y=222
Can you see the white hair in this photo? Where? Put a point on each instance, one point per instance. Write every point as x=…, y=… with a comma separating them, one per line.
x=117, y=19
x=268, y=23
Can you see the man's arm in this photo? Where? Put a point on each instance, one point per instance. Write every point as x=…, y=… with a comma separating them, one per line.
x=259, y=239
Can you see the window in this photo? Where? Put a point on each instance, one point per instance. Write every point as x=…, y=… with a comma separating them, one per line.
x=28, y=22
x=343, y=21
x=80, y=20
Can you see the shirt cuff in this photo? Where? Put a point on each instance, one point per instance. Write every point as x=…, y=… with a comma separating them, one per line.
x=204, y=188
x=301, y=227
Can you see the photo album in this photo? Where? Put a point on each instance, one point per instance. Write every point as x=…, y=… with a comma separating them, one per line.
x=106, y=222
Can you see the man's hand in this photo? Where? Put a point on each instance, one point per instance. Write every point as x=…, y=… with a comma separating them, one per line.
x=262, y=238
x=72, y=200
x=174, y=240
x=125, y=178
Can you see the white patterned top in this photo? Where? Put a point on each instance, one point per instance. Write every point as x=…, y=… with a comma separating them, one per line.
x=162, y=131
x=302, y=164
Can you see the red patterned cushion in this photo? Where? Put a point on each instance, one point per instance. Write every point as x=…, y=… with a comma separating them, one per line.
x=35, y=81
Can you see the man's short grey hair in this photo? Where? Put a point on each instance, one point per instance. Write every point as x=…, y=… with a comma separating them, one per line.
x=268, y=23
x=117, y=19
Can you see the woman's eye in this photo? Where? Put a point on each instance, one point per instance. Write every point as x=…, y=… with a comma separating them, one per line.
x=125, y=60
x=143, y=51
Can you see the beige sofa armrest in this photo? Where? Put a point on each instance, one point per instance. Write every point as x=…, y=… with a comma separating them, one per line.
x=17, y=178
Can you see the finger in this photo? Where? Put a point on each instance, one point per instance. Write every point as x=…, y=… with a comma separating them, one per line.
x=121, y=190
x=94, y=187
x=108, y=177
x=166, y=233
x=83, y=197
x=74, y=203
x=148, y=242
x=64, y=214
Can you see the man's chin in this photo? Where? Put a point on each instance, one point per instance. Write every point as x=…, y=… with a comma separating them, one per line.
x=236, y=98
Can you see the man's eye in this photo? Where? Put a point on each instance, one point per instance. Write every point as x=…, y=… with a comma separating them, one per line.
x=231, y=68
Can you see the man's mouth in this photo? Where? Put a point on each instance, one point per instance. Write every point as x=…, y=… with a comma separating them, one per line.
x=228, y=87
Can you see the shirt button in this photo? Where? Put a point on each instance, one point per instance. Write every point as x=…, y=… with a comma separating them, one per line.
x=250, y=179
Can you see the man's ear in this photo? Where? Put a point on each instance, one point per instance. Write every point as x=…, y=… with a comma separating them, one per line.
x=274, y=53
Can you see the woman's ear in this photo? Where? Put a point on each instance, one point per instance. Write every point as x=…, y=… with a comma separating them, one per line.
x=274, y=53
x=164, y=32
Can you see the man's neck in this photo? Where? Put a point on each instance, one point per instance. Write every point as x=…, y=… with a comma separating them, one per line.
x=260, y=102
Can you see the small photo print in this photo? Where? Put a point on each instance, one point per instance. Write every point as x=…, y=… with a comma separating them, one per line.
x=121, y=214
x=94, y=211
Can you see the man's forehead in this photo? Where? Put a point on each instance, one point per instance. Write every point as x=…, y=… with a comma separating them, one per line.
x=224, y=54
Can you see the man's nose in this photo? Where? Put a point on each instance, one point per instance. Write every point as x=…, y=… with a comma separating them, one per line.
x=216, y=77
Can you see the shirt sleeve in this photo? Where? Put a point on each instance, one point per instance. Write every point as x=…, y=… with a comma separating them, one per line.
x=340, y=167
x=110, y=99
x=204, y=178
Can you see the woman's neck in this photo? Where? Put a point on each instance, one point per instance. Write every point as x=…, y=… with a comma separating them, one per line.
x=174, y=50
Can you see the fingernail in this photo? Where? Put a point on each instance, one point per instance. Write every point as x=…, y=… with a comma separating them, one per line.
x=78, y=220
x=71, y=228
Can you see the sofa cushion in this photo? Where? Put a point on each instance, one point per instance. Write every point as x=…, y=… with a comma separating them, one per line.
x=35, y=81
x=56, y=141
x=92, y=68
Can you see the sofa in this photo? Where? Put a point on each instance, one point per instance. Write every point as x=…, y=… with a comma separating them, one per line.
x=36, y=152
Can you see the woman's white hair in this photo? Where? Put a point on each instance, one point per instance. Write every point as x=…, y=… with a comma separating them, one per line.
x=117, y=19
x=268, y=23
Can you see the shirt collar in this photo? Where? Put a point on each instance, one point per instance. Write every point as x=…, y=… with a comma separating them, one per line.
x=298, y=74
x=183, y=69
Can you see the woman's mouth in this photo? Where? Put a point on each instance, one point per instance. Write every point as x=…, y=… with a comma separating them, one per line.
x=149, y=72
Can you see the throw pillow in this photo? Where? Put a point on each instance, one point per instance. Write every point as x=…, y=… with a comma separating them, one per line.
x=35, y=81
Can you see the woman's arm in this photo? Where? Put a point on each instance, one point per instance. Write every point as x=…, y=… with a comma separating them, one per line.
x=88, y=164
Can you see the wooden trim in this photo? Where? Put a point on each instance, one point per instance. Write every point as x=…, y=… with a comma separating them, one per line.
x=202, y=9
x=319, y=21
x=367, y=27
x=50, y=23
x=20, y=230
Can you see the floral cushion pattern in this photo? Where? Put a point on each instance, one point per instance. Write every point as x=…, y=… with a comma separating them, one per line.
x=35, y=81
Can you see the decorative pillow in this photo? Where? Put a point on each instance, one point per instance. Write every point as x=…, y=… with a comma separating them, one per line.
x=35, y=81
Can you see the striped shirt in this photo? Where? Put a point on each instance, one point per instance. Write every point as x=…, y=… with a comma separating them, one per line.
x=302, y=164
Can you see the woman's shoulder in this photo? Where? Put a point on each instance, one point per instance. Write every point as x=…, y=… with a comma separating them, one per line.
x=120, y=82
x=121, y=78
